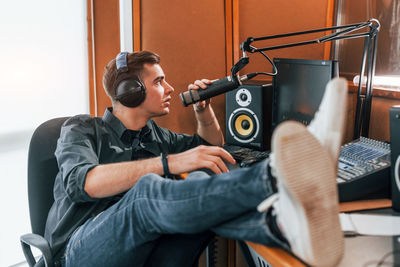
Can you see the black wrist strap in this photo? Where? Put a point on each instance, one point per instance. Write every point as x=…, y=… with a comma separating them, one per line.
x=164, y=161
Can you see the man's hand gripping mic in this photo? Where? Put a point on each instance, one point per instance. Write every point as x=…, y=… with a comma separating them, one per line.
x=218, y=87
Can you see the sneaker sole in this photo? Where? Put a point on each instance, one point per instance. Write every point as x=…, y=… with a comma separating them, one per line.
x=306, y=171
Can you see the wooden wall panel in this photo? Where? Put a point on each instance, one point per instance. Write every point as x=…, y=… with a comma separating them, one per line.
x=269, y=17
x=350, y=120
x=190, y=38
x=91, y=69
x=106, y=46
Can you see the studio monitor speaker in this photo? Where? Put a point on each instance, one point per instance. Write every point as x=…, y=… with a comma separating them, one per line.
x=395, y=155
x=248, y=116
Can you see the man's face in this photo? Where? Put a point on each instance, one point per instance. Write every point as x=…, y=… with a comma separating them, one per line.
x=158, y=91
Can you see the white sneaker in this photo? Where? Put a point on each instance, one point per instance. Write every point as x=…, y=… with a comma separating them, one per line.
x=329, y=121
x=307, y=201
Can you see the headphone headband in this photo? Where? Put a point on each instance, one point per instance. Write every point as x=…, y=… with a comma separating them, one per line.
x=122, y=62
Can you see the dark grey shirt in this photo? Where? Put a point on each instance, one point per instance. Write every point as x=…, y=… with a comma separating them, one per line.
x=86, y=142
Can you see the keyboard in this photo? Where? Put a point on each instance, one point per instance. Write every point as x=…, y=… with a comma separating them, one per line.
x=244, y=156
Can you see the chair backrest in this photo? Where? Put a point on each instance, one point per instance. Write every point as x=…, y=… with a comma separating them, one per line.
x=42, y=171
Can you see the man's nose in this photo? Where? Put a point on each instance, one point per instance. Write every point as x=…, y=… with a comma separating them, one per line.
x=169, y=88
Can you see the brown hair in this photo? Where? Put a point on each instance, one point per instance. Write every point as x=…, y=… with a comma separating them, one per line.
x=136, y=63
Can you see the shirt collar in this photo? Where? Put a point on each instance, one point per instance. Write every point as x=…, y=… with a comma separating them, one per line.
x=120, y=128
x=114, y=122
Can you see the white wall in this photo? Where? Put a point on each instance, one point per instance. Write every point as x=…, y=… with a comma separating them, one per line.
x=43, y=74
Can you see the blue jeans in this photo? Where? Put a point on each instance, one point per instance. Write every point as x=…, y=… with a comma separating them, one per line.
x=125, y=233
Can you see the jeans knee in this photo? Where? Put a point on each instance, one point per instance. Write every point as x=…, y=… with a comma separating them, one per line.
x=198, y=174
x=146, y=183
x=150, y=178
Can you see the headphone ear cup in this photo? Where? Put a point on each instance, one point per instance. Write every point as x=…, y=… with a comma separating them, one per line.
x=130, y=91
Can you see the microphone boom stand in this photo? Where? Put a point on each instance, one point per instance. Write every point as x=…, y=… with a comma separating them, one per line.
x=364, y=100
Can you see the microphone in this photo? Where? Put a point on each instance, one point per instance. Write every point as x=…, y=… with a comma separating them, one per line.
x=216, y=88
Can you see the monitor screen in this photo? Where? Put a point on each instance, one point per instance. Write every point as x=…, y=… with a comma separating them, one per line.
x=298, y=88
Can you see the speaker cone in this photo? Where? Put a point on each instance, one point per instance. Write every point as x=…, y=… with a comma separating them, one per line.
x=243, y=125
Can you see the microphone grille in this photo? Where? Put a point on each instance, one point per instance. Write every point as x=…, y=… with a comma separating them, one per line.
x=189, y=97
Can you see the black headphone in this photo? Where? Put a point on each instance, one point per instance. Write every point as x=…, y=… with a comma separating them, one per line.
x=129, y=89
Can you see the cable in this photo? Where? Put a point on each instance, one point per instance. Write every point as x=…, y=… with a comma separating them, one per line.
x=384, y=257
x=275, y=70
x=382, y=261
x=249, y=76
x=252, y=75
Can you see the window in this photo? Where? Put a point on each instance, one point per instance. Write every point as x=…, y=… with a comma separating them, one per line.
x=44, y=74
x=349, y=52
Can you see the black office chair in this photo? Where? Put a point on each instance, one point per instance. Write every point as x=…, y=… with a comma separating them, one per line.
x=171, y=250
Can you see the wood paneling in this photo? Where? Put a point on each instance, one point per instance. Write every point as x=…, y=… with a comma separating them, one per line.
x=228, y=35
x=137, y=33
x=91, y=69
x=190, y=38
x=330, y=11
x=264, y=18
x=351, y=112
x=106, y=44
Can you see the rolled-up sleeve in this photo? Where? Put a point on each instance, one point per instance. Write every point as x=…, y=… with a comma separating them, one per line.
x=76, y=155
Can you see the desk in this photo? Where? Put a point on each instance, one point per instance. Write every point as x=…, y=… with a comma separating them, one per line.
x=359, y=250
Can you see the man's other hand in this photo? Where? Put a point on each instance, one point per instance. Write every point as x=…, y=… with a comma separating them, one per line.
x=210, y=157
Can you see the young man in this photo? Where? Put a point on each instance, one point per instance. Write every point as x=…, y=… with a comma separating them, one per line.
x=112, y=203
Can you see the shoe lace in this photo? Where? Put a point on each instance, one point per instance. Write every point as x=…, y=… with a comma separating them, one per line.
x=268, y=202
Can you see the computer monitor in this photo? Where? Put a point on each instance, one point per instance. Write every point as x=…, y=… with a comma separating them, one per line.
x=298, y=88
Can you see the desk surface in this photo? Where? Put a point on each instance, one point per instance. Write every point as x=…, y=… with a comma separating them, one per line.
x=359, y=250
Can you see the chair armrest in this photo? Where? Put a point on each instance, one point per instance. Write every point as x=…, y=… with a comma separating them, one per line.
x=40, y=243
